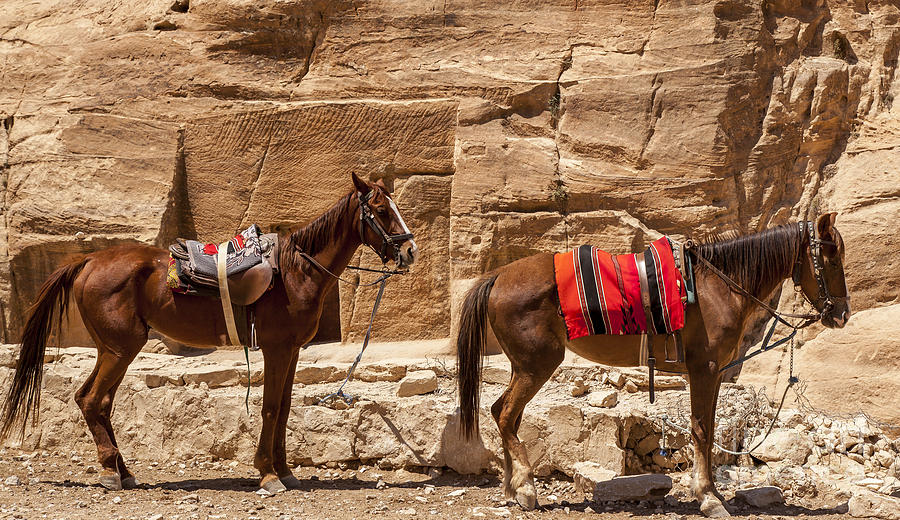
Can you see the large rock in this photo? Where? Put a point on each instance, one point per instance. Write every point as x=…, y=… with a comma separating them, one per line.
x=861, y=359
x=871, y=505
x=787, y=446
x=417, y=383
x=765, y=496
x=633, y=488
x=588, y=474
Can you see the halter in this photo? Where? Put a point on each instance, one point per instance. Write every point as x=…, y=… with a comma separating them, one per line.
x=387, y=240
x=815, y=254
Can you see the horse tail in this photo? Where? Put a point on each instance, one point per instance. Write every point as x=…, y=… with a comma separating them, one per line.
x=469, y=351
x=24, y=396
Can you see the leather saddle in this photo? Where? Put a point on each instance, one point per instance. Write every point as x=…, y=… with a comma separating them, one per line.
x=251, y=262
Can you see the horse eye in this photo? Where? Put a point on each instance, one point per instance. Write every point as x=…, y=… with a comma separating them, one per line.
x=382, y=212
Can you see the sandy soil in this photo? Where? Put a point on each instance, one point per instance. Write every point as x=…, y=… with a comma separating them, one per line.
x=63, y=486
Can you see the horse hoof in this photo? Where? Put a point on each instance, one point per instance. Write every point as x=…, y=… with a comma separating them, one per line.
x=111, y=481
x=713, y=508
x=526, y=498
x=273, y=487
x=130, y=483
x=290, y=482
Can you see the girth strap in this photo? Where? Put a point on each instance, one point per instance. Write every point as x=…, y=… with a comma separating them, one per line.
x=225, y=296
x=646, y=341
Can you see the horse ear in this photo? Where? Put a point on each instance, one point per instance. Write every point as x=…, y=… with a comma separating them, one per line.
x=825, y=225
x=361, y=186
x=380, y=183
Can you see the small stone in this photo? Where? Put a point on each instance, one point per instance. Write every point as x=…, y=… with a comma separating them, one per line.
x=409, y=511
x=617, y=379
x=578, y=387
x=603, y=398
x=380, y=484
x=457, y=493
x=631, y=387
x=117, y=500
x=12, y=480
x=157, y=517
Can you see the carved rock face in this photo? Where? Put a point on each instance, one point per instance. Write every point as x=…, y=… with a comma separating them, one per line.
x=504, y=131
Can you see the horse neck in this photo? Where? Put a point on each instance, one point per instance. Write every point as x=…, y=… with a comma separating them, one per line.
x=336, y=245
x=759, y=262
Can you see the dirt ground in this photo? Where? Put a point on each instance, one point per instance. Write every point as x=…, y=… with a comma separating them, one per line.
x=64, y=486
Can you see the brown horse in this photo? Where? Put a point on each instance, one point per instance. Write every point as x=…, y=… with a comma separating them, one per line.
x=121, y=293
x=521, y=302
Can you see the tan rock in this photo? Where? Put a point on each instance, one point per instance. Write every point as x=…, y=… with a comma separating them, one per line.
x=417, y=383
x=787, y=446
x=588, y=474
x=603, y=398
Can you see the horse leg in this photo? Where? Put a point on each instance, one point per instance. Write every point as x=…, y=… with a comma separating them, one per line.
x=704, y=388
x=280, y=463
x=128, y=479
x=109, y=370
x=518, y=475
x=275, y=369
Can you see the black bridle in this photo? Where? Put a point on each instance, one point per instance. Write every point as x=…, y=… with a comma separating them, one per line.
x=388, y=241
x=815, y=254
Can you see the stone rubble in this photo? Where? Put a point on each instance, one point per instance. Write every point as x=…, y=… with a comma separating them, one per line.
x=197, y=415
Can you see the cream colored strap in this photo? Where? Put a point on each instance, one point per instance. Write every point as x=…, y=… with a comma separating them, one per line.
x=226, y=296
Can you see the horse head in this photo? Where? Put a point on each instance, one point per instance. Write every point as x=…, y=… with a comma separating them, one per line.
x=381, y=227
x=819, y=271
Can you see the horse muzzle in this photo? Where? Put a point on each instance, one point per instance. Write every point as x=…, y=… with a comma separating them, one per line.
x=407, y=254
x=838, y=316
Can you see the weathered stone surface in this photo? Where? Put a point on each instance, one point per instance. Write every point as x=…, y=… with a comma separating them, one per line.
x=417, y=383
x=760, y=497
x=871, y=505
x=588, y=474
x=603, y=398
x=825, y=363
x=606, y=124
x=633, y=488
x=783, y=445
x=380, y=372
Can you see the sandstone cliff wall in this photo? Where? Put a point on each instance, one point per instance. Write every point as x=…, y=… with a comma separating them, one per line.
x=505, y=128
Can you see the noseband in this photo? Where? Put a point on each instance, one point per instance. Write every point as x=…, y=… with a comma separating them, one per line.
x=815, y=254
x=388, y=241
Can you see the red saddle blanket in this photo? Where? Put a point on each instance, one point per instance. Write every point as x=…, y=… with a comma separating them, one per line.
x=601, y=294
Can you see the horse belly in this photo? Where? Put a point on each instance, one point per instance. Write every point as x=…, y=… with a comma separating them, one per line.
x=622, y=351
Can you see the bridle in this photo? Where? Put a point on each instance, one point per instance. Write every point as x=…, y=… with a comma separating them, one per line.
x=815, y=254
x=815, y=245
x=388, y=241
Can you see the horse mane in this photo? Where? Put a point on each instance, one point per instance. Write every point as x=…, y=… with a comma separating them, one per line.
x=755, y=261
x=313, y=237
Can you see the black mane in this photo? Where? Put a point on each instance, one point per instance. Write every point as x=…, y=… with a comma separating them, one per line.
x=755, y=261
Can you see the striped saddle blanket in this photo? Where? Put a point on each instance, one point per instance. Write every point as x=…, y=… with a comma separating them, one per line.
x=601, y=293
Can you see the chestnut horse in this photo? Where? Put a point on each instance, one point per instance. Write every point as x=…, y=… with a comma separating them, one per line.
x=121, y=293
x=521, y=302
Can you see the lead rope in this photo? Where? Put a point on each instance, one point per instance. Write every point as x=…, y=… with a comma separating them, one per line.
x=340, y=391
x=382, y=280
x=792, y=379
x=385, y=274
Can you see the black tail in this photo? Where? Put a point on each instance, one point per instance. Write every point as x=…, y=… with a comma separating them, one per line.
x=24, y=396
x=469, y=351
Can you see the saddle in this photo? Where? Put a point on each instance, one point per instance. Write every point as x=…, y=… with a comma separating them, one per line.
x=250, y=264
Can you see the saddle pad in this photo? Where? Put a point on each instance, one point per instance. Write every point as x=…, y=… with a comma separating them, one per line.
x=593, y=300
